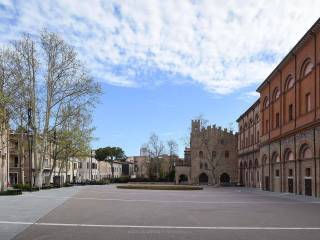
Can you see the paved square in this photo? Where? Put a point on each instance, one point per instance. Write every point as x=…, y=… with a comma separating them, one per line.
x=104, y=212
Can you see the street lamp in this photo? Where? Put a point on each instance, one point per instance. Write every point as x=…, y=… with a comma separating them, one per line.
x=91, y=165
x=30, y=144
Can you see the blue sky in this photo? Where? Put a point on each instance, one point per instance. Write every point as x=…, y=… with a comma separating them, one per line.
x=161, y=63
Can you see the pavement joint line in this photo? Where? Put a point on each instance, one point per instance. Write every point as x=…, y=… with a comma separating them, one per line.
x=158, y=227
x=180, y=201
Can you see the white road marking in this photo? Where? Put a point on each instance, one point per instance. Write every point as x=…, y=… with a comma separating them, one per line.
x=158, y=227
x=174, y=201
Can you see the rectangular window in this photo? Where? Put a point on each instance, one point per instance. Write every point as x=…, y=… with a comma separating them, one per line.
x=308, y=172
x=277, y=120
x=290, y=172
x=290, y=113
x=252, y=139
x=88, y=164
x=16, y=161
x=80, y=164
x=277, y=173
x=308, y=102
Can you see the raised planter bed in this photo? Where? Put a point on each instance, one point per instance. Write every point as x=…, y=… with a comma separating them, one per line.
x=159, y=187
x=11, y=192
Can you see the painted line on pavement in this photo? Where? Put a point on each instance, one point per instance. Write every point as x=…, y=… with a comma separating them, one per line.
x=157, y=227
x=175, y=201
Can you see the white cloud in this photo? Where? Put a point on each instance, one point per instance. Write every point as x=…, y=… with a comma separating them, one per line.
x=249, y=96
x=222, y=45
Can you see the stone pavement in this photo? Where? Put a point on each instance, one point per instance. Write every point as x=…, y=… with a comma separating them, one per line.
x=30, y=207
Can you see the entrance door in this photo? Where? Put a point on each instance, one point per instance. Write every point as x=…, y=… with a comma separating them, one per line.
x=267, y=184
x=290, y=185
x=13, y=178
x=224, y=179
x=203, y=179
x=308, y=186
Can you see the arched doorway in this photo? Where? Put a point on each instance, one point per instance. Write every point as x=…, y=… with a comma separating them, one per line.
x=224, y=178
x=203, y=179
x=183, y=179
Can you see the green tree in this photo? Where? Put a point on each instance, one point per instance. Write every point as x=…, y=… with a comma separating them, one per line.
x=110, y=154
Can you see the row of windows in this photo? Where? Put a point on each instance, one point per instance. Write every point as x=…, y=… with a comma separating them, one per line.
x=250, y=123
x=93, y=165
x=214, y=154
x=289, y=83
x=289, y=114
x=246, y=141
x=205, y=166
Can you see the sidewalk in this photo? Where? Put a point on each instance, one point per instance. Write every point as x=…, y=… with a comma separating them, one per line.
x=29, y=207
x=284, y=195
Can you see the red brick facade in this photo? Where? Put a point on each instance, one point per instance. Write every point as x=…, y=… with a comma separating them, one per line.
x=289, y=148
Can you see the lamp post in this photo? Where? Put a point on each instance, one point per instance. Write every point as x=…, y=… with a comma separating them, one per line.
x=91, y=165
x=30, y=144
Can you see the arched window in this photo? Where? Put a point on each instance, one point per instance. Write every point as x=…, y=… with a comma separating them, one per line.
x=275, y=157
x=266, y=102
x=256, y=164
x=276, y=94
x=226, y=154
x=306, y=68
x=251, y=122
x=257, y=117
x=305, y=152
x=265, y=159
x=200, y=154
x=206, y=166
x=250, y=164
x=245, y=126
x=288, y=156
x=214, y=154
x=289, y=82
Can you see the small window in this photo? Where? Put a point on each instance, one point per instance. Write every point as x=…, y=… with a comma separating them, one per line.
x=206, y=166
x=289, y=82
x=290, y=113
x=16, y=161
x=277, y=120
x=266, y=102
x=200, y=154
x=308, y=172
x=80, y=164
x=214, y=154
x=290, y=172
x=307, y=68
x=277, y=173
x=201, y=165
x=226, y=154
x=276, y=94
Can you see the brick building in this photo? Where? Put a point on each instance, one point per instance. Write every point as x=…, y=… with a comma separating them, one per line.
x=288, y=158
x=211, y=159
x=248, y=146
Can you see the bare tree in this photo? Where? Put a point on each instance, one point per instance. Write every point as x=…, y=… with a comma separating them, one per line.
x=49, y=79
x=156, y=148
x=173, y=152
